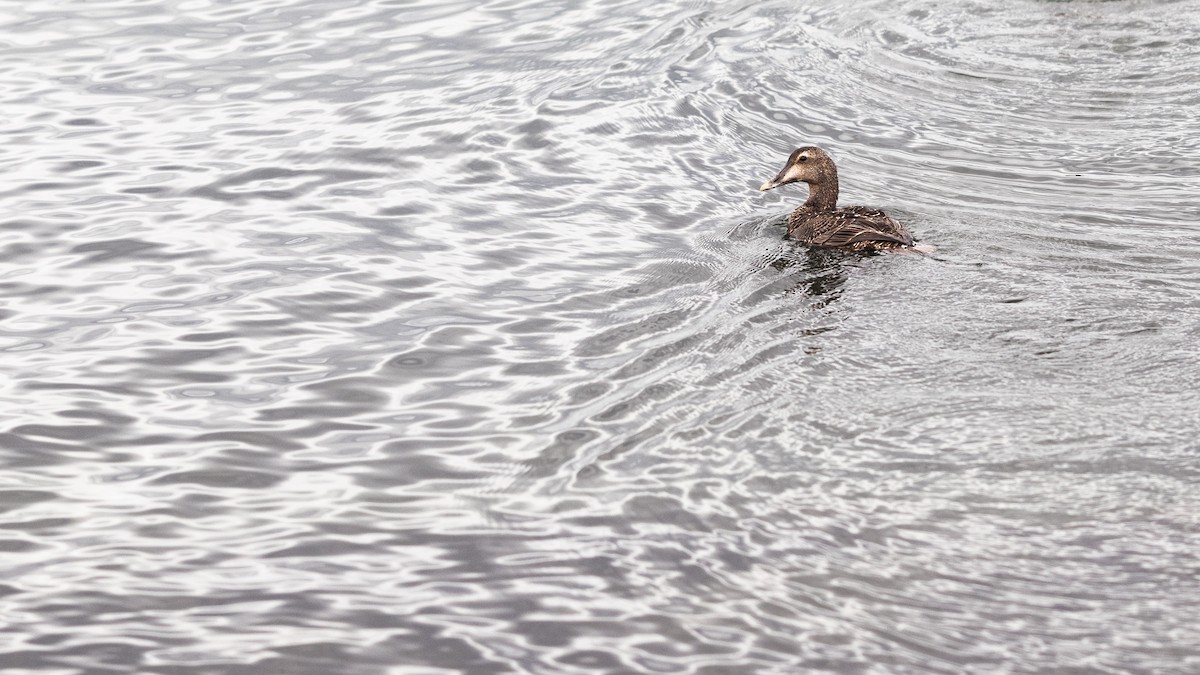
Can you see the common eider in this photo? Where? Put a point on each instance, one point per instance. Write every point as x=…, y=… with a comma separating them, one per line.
x=819, y=222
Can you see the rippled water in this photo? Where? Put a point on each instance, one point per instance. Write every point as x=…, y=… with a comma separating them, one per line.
x=436, y=337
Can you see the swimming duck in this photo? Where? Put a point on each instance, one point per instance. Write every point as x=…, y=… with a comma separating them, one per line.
x=819, y=222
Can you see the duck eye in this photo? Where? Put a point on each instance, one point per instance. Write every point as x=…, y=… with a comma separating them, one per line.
x=803, y=158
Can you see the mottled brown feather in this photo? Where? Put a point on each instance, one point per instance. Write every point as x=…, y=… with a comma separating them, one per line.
x=856, y=227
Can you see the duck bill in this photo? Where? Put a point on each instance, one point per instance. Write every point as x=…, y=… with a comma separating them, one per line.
x=778, y=180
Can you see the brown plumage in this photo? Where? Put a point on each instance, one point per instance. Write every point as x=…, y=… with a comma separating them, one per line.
x=819, y=222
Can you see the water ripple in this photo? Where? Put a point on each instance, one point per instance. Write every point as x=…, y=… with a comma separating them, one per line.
x=369, y=337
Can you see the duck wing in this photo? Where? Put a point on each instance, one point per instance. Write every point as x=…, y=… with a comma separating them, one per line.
x=850, y=226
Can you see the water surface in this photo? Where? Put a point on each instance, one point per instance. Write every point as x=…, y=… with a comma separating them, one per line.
x=454, y=337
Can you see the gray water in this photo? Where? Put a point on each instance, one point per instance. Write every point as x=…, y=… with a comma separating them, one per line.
x=454, y=337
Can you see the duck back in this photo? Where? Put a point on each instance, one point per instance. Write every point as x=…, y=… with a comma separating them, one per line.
x=856, y=227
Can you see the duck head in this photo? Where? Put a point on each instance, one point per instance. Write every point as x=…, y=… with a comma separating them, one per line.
x=813, y=166
x=807, y=165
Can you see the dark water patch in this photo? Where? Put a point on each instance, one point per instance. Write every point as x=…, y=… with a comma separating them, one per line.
x=133, y=249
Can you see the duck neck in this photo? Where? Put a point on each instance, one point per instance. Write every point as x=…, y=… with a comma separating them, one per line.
x=823, y=192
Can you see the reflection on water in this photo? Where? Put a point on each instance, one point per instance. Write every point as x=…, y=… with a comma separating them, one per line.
x=358, y=337
x=822, y=271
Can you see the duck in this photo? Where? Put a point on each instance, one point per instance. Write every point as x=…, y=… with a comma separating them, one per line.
x=820, y=223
